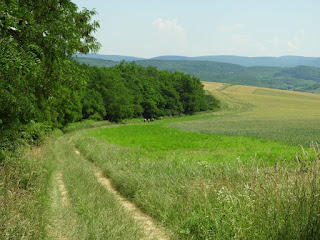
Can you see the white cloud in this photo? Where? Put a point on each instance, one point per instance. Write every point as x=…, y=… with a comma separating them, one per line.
x=274, y=46
x=292, y=45
x=169, y=27
x=170, y=36
x=275, y=41
x=230, y=28
x=242, y=42
x=260, y=46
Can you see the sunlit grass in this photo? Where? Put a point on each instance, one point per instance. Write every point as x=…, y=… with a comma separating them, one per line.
x=24, y=183
x=158, y=139
x=198, y=184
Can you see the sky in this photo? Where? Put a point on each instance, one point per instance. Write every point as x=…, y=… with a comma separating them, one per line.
x=150, y=28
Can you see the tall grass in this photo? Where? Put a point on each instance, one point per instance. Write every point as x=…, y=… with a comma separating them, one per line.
x=200, y=199
x=24, y=177
x=86, y=124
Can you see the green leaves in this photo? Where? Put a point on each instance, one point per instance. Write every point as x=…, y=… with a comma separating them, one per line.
x=38, y=80
x=129, y=90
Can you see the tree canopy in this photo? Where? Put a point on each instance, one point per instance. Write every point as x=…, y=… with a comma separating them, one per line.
x=128, y=90
x=38, y=80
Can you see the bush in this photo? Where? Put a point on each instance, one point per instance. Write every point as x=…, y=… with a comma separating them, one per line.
x=18, y=136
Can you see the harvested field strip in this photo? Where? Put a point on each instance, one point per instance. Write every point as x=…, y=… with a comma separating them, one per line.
x=278, y=115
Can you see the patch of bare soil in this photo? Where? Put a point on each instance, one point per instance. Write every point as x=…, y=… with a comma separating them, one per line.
x=151, y=230
x=63, y=190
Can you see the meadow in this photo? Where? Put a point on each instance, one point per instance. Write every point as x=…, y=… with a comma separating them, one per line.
x=198, y=194
x=251, y=180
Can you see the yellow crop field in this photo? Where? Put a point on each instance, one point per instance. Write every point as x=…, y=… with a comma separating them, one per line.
x=280, y=115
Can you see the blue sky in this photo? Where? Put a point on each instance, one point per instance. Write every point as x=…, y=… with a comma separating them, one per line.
x=149, y=28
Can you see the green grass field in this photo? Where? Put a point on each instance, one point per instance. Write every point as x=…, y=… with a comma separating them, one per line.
x=203, y=186
x=159, y=140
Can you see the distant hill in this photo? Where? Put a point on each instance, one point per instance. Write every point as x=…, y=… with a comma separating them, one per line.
x=173, y=58
x=117, y=58
x=97, y=62
x=284, y=61
x=298, y=78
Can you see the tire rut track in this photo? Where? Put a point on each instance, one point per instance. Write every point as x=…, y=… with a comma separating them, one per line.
x=63, y=191
x=151, y=230
x=60, y=206
x=62, y=218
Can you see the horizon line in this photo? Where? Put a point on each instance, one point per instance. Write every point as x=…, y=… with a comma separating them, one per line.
x=218, y=55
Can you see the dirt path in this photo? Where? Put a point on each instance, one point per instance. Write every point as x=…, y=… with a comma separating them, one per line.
x=59, y=206
x=63, y=191
x=151, y=230
x=64, y=222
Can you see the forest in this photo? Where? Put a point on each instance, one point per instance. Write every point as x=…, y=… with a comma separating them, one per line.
x=43, y=87
x=128, y=90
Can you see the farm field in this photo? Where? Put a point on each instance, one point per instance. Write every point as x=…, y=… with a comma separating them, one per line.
x=286, y=116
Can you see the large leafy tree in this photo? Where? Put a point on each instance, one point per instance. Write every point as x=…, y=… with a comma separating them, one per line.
x=37, y=40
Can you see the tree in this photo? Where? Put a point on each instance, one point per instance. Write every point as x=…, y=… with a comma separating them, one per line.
x=37, y=40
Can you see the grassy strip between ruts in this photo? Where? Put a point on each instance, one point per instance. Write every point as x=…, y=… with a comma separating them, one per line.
x=199, y=187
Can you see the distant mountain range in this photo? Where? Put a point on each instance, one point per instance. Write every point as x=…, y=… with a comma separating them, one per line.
x=116, y=58
x=284, y=61
x=298, y=78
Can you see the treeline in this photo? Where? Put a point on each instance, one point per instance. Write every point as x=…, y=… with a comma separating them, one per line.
x=299, y=78
x=130, y=91
x=300, y=72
